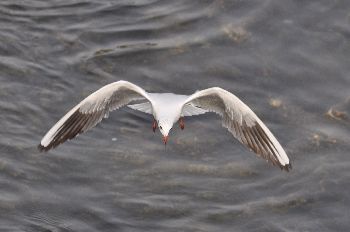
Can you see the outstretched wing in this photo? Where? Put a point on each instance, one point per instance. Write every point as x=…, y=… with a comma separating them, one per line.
x=90, y=111
x=243, y=123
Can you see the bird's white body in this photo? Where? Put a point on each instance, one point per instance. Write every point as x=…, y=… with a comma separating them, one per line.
x=167, y=109
x=167, y=106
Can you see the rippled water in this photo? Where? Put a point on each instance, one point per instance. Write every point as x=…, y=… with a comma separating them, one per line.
x=288, y=60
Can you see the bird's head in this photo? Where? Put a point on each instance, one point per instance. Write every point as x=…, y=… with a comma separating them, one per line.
x=165, y=127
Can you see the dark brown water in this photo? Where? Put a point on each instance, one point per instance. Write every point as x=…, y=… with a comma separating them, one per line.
x=288, y=60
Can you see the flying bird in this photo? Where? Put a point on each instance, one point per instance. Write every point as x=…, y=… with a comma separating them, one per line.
x=168, y=109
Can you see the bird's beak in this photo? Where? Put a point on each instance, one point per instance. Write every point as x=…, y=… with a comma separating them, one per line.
x=165, y=139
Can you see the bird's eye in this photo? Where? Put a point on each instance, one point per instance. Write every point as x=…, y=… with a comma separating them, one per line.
x=160, y=127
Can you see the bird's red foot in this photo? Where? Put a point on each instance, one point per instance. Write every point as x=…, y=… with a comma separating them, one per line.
x=182, y=123
x=154, y=125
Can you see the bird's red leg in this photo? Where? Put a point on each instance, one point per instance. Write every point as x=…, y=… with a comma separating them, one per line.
x=154, y=125
x=182, y=123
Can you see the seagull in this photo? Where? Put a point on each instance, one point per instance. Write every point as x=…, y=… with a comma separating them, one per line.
x=168, y=109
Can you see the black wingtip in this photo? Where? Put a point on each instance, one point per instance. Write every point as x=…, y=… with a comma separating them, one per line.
x=41, y=148
x=287, y=167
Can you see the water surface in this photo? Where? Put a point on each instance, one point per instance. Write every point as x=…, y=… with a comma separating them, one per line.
x=288, y=60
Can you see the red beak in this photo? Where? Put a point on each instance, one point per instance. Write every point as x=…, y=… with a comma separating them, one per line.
x=165, y=139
